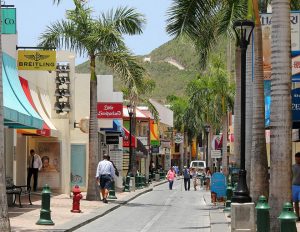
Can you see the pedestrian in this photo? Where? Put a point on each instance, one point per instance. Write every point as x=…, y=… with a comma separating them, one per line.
x=193, y=174
x=34, y=167
x=296, y=183
x=171, y=176
x=186, y=178
x=104, y=176
x=207, y=178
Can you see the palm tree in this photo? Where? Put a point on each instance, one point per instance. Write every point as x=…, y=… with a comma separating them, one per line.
x=280, y=118
x=259, y=164
x=98, y=38
x=224, y=101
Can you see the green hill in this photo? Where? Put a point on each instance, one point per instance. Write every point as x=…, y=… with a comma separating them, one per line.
x=171, y=66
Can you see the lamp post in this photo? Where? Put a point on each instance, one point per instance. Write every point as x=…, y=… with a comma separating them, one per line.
x=243, y=30
x=130, y=165
x=207, y=128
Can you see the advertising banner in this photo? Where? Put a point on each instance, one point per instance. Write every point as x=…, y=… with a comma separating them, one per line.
x=266, y=23
x=154, y=134
x=50, y=172
x=38, y=60
x=296, y=104
x=8, y=17
x=109, y=110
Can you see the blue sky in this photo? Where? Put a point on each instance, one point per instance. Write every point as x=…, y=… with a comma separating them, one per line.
x=34, y=15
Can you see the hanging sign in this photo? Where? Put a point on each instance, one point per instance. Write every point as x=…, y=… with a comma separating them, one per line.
x=178, y=138
x=8, y=17
x=38, y=60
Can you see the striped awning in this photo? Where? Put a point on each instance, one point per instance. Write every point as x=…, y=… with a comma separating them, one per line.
x=18, y=112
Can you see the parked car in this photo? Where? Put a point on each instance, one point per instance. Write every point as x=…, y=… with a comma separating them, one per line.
x=199, y=165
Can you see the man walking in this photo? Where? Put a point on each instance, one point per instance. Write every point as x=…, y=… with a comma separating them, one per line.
x=186, y=178
x=34, y=167
x=105, y=175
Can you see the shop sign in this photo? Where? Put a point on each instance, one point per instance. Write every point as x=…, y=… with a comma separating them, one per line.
x=218, y=184
x=8, y=17
x=178, y=138
x=154, y=149
x=109, y=110
x=166, y=144
x=38, y=60
x=112, y=139
x=215, y=154
x=296, y=104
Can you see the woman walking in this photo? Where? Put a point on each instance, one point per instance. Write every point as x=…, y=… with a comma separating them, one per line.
x=170, y=177
x=207, y=178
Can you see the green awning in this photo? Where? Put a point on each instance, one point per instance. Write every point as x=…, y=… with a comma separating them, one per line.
x=18, y=113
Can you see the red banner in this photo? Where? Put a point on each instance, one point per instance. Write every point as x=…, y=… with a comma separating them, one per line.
x=126, y=141
x=109, y=110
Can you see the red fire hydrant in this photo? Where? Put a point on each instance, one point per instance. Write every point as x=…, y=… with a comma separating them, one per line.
x=76, y=199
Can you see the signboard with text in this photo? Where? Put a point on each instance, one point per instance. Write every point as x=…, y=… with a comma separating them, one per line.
x=218, y=184
x=109, y=110
x=38, y=60
x=8, y=18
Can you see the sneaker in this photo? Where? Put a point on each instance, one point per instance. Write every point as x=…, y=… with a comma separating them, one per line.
x=105, y=201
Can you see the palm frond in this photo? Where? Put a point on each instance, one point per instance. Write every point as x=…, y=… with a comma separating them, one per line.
x=125, y=20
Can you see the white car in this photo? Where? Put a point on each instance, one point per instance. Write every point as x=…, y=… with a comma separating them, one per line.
x=199, y=165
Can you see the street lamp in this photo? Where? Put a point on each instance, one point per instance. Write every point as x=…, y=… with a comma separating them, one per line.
x=130, y=165
x=243, y=30
x=207, y=128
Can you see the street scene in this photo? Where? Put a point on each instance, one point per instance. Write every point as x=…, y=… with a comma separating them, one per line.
x=124, y=116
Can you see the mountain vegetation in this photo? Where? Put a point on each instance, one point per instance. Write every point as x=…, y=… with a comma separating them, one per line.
x=172, y=66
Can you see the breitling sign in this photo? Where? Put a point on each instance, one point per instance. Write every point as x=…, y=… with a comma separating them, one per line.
x=39, y=60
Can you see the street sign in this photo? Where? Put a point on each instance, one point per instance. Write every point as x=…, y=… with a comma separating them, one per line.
x=215, y=154
x=218, y=184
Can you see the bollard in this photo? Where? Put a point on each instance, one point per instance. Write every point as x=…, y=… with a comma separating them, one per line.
x=45, y=214
x=229, y=193
x=127, y=184
x=112, y=192
x=287, y=218
x=262, y=215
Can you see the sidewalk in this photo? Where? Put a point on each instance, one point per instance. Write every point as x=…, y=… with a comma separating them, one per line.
x=25, y=218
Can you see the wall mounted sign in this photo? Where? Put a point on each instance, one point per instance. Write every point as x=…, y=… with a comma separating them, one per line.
x=109, y=110
x=112, y=139
x=8, y=17
x=39, y=60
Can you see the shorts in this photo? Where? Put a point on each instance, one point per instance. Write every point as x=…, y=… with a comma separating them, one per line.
x=105, y=181
x=296, y=193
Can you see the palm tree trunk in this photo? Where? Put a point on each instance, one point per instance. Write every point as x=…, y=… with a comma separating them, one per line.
x=224, y=145
x=237, y=107
x=259, y=164
x=248, y=113
x=280, y=118
x=92, y=190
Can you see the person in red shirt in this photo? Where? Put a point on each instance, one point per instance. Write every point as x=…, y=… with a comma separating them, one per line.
x=171, y=176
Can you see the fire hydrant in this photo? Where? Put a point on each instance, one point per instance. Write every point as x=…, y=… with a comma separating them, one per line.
x=76, y=199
